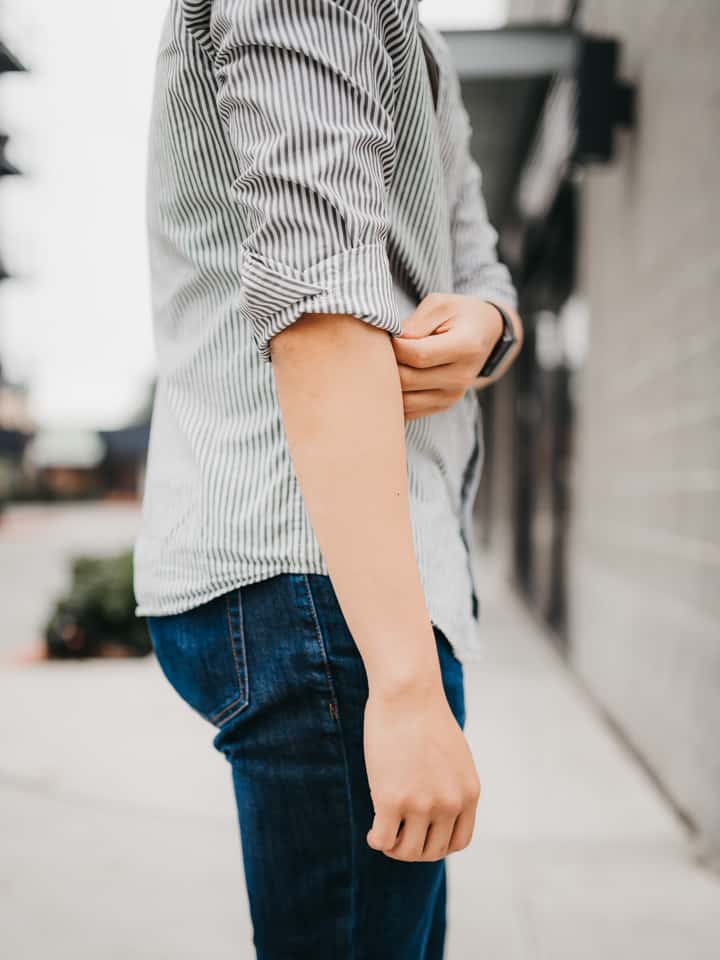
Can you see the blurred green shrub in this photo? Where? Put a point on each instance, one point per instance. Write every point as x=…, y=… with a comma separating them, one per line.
x=96, y=617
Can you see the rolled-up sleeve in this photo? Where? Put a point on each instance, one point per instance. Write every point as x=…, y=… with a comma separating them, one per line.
x=306, y=95
x=476, y=268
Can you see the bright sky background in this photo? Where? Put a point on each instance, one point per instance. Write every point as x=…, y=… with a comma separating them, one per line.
x=75, y=319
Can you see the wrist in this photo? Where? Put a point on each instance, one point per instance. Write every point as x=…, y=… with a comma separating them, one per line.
x=419, y=688
x=406, y=671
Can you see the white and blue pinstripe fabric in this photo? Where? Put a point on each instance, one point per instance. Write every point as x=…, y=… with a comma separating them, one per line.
x=298, y=163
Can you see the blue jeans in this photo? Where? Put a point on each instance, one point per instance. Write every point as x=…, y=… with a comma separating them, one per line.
x=273, y=666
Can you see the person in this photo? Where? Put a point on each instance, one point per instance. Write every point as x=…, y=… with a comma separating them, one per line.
x=327, y=301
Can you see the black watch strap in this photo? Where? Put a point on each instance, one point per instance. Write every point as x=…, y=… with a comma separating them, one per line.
x=505, y=342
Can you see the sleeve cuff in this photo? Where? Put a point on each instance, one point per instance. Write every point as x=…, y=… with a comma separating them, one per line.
x=357, y=282
x=497, y=289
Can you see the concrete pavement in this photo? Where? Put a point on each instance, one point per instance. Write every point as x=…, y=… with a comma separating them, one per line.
x=118, y=836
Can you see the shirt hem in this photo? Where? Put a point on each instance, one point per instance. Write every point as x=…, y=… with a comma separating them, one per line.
x=168, y=606
x=464, y=640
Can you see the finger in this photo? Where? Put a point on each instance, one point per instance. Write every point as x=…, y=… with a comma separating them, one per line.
x=433, y=378
x=425, y=402
x=463, y=830
x=428, y=315
x=438, y=838
x=384, y=831
x=411, y=842
x=426, y=352
x=422, y=403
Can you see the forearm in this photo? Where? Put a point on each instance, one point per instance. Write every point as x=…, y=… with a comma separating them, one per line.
x=341, y=402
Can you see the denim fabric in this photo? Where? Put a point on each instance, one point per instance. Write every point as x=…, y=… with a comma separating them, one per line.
x=273, y=666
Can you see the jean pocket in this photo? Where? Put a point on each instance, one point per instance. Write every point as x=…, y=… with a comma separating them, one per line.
x=202, y=654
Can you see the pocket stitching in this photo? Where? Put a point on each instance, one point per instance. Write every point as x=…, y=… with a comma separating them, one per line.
x=239, y=703
x=321, y=644
x=241, y=638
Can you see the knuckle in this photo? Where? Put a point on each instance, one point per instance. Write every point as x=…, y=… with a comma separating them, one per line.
x=421, y=805
x=449, y=804
x=390, y=805
x=473, y=792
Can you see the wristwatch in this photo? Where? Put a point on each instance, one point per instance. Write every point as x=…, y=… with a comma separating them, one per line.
x=506, y=341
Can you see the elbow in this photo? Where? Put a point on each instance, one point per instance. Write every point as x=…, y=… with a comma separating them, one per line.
x=315, y=338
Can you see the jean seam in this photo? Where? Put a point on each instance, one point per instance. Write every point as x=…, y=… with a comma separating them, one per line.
x=348, y=792
x=239, y=703
x=245, y=683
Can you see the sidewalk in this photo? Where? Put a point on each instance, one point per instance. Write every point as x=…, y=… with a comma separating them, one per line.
x=118, y=835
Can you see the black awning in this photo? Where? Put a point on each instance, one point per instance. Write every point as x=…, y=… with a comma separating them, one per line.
x=542, y=99
x=6, y=168
x=521, y=50
x=8, y=61
x=506, y=75
x=504, y=114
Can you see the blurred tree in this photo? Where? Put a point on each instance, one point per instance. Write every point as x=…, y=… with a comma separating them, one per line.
x=97, y=615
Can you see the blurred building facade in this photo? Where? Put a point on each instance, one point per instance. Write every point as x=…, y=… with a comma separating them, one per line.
x=603, y=486
x=15, y=430
x=15, y=421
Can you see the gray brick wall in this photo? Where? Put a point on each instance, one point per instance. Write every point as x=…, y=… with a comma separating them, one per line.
x=645, y=561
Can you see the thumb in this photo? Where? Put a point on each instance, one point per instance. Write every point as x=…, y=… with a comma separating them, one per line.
x=425, y=319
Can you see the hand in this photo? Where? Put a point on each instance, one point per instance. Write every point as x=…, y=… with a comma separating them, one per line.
x=441, y=350
x=422, y=777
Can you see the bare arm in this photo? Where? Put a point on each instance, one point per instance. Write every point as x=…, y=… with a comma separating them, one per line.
x=340, y=396
x=339, y=391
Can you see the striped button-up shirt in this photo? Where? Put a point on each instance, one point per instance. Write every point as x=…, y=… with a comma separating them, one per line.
x=306, y=156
